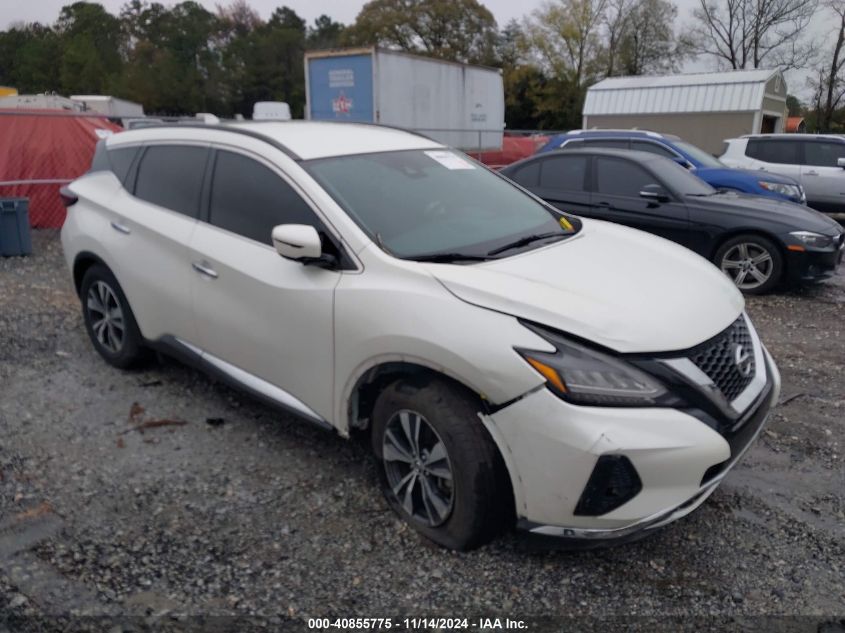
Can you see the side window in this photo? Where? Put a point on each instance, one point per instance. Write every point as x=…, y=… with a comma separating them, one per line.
x=653, y=148
x=773, y=150
x=616, y=177
x=823, y=153
x=564, y=172
x=171, y=177
x=249, y=199
x=121, y=160
x=528, y=176
x=606, y=142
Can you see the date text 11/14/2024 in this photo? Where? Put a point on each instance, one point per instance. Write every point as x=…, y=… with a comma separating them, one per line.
x=421, y=623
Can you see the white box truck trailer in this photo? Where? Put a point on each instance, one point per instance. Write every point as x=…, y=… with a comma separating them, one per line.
x=111, y=107
x=457, y=104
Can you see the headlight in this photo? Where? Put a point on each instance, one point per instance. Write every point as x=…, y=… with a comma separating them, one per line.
x=790, y=191
x=584, y=376
x=814, y=240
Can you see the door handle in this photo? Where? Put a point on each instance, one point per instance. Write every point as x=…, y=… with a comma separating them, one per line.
x=811, y=173
x=121, y=228
x=603, y=205
x=204, y=269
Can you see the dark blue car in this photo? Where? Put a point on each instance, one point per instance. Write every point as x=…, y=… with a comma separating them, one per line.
x=708, y=168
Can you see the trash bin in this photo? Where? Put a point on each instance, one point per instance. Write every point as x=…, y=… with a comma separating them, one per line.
x=14, y=227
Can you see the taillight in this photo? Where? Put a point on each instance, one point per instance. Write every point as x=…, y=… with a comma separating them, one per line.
x=68, y=197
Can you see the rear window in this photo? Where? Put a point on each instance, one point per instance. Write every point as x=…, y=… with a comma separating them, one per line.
x=773, y=151
x=170, y=176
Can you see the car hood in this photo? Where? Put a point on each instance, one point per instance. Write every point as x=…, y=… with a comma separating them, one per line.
x=792, y=216
x=729, y=174
x=617, y=287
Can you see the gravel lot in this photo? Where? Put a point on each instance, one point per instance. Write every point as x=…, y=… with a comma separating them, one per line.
x=264, y=515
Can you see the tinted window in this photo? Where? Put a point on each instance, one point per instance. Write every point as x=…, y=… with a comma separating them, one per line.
x=121, y=160
x=249, y=199
x=652, y=148
x=604, y=142
x=773, y=151
x=679, y=180
x=564, y=172
x=171, y=176
x=617, y=177
x=823, y=153
x=528, y=176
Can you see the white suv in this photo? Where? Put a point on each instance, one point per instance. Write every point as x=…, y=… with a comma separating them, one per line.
x=509, y=363
x=817, y=161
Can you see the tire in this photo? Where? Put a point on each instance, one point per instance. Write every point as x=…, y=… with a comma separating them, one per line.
x=477, y=503
x=752, y=262
x=121, y=348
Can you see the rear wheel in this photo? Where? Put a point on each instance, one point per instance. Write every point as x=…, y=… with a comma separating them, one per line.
x=441, y=471
x=109, y=320
x=753, y=263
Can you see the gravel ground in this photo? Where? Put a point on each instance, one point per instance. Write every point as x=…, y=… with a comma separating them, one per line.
x=261, y=515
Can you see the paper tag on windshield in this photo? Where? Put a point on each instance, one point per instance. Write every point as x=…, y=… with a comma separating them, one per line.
x=449, y=160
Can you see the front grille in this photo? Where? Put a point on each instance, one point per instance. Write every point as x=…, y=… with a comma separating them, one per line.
x=718, y=359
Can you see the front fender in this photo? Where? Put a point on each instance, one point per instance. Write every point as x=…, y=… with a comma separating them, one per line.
x=413, y=319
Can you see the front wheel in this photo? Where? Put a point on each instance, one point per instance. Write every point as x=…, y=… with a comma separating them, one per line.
x=441, y=471
x=752, y=262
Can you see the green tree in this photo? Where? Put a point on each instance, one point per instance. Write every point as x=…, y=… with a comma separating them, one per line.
x=91, y=40
x=265, y=64
x=326, y=33
x=28, y=57
x=648, y=44
x=458, y=30
x=794, y=106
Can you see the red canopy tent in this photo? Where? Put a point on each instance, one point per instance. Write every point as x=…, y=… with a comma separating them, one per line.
x=40, y=150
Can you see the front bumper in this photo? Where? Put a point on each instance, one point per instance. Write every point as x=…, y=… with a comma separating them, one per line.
x=812, y=266
x=551, y=447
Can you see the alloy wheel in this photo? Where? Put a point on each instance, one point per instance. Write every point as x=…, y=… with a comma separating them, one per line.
x=418, y=468
x=748, y=264
x=106, y=316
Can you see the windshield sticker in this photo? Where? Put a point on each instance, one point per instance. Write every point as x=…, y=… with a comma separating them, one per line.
x=449, y=160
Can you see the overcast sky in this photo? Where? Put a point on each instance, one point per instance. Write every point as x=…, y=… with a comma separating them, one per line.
x=47, y=11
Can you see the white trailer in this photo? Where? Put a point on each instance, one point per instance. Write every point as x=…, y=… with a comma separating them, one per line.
x=111, y=107
x=458, y=104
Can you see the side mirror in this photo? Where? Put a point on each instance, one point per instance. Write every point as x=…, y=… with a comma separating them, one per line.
x=299, y=242
x=841, y=162
x=654, y=192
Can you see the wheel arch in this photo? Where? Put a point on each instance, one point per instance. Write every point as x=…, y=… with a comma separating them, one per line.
x=732, y=233
x=81, y=263
x=374, y=379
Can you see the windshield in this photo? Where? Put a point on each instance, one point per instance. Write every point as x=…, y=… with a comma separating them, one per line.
x=424, y=203
x=682, y=181
x=698, y=155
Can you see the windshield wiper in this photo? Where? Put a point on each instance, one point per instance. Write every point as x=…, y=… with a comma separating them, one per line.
x=446, y=258
x=528, y=239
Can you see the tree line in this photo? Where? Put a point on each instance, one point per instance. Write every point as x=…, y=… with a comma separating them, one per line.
x=184, y=58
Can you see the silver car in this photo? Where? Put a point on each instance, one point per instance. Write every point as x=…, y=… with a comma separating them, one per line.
x=817, y=161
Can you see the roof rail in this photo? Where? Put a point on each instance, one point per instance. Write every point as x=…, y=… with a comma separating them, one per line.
x=229, y=128
x=611, y=130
